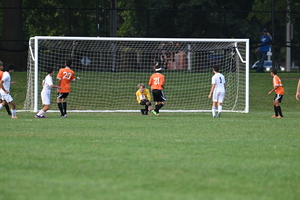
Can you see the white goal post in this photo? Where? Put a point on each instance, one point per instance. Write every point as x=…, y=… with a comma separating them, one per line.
x=111, y=68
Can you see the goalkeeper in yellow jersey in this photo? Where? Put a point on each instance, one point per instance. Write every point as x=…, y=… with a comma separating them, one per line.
x=143, y=97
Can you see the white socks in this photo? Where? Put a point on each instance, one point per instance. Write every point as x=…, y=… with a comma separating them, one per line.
x=219, y=108
x=41, y=113
x=13, y=113
x=213, y=109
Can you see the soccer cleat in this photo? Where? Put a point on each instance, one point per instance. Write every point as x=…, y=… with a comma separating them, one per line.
x=155, y=113
x=279, y=116
x=38, y=116
x=274, y=116
x=219, y=114
x=15, y=117
x=63, y=116
x=214, y=116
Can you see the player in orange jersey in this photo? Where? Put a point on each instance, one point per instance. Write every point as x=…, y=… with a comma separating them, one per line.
x=157, y=82
x=6, y=105
x=65, y=76
x=278, y=88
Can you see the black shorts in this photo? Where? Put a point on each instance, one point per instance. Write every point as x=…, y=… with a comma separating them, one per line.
x=144, y=101
x=62, y=95
x=158, y=96
x=278, y=97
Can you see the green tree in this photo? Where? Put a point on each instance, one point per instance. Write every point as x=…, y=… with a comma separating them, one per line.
x=12, y=45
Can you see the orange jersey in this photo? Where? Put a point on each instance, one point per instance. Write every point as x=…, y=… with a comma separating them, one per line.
x=277, y=83
x=1, y=73
x=65, y=75
x=157, y=81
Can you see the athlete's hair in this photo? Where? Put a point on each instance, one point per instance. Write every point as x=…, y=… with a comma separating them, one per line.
x=69, y=62
x=274, y=71
x=9, y=67
x=141, y=84
x=216, y=68
x=50, y=70
x=1, y=63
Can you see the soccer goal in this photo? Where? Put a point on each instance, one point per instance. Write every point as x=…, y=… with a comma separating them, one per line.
x=109, y=70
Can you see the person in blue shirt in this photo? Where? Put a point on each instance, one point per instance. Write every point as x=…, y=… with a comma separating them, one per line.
x=265, y=41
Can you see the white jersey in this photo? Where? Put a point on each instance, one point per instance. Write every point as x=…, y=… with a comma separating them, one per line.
x=219, y=80
x=6, y=81
x=219, y=92
x=6, y=84
x=47, y=82
x=45, y=94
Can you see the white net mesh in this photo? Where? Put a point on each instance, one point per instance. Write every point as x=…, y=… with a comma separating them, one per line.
x=110, y=69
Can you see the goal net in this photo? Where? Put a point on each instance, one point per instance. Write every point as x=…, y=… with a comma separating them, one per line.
x=111, y=68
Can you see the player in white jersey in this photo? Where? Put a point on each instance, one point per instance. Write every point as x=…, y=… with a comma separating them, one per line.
x=1, y=73
x=5, y=89
x=217, y=91
x=46, y=92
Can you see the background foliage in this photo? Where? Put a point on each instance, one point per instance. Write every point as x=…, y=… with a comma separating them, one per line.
x=22, y=19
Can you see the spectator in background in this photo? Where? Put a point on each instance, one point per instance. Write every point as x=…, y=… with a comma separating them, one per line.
x=264, y=47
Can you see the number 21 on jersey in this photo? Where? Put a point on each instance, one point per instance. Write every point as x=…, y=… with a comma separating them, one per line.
x=156, y=81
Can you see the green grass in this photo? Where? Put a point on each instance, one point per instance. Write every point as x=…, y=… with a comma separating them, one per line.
x=175, y=156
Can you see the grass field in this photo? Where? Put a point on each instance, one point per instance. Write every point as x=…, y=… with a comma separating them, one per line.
x=175, y=156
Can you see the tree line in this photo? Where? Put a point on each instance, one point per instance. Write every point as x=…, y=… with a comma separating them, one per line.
x=22, y=19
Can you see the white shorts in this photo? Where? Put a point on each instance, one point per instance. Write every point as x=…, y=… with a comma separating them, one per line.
x=218, y=96
x=6, y=97
x=45, y=98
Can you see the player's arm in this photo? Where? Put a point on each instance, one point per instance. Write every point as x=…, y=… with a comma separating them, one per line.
x=137, y=94
x=273, y=89
x=58, y=83
x=211, y=90
x=298, y=91
x=2, y=87
x=55, y=86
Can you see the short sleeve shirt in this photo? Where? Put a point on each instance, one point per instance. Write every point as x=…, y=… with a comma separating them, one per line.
x=47, y=82
x=219, y=80
x=65, y=75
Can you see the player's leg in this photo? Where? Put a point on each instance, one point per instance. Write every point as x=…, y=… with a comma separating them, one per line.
x=7, y=99
x=64, y=104
x=6, y=106
x=277, y=108
x=221, y=96
x=13, y=109
x=155, y=99
x=161, y=100
x=214, y=108
x=214, y=104
x=45, y=96
x=59, y=104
